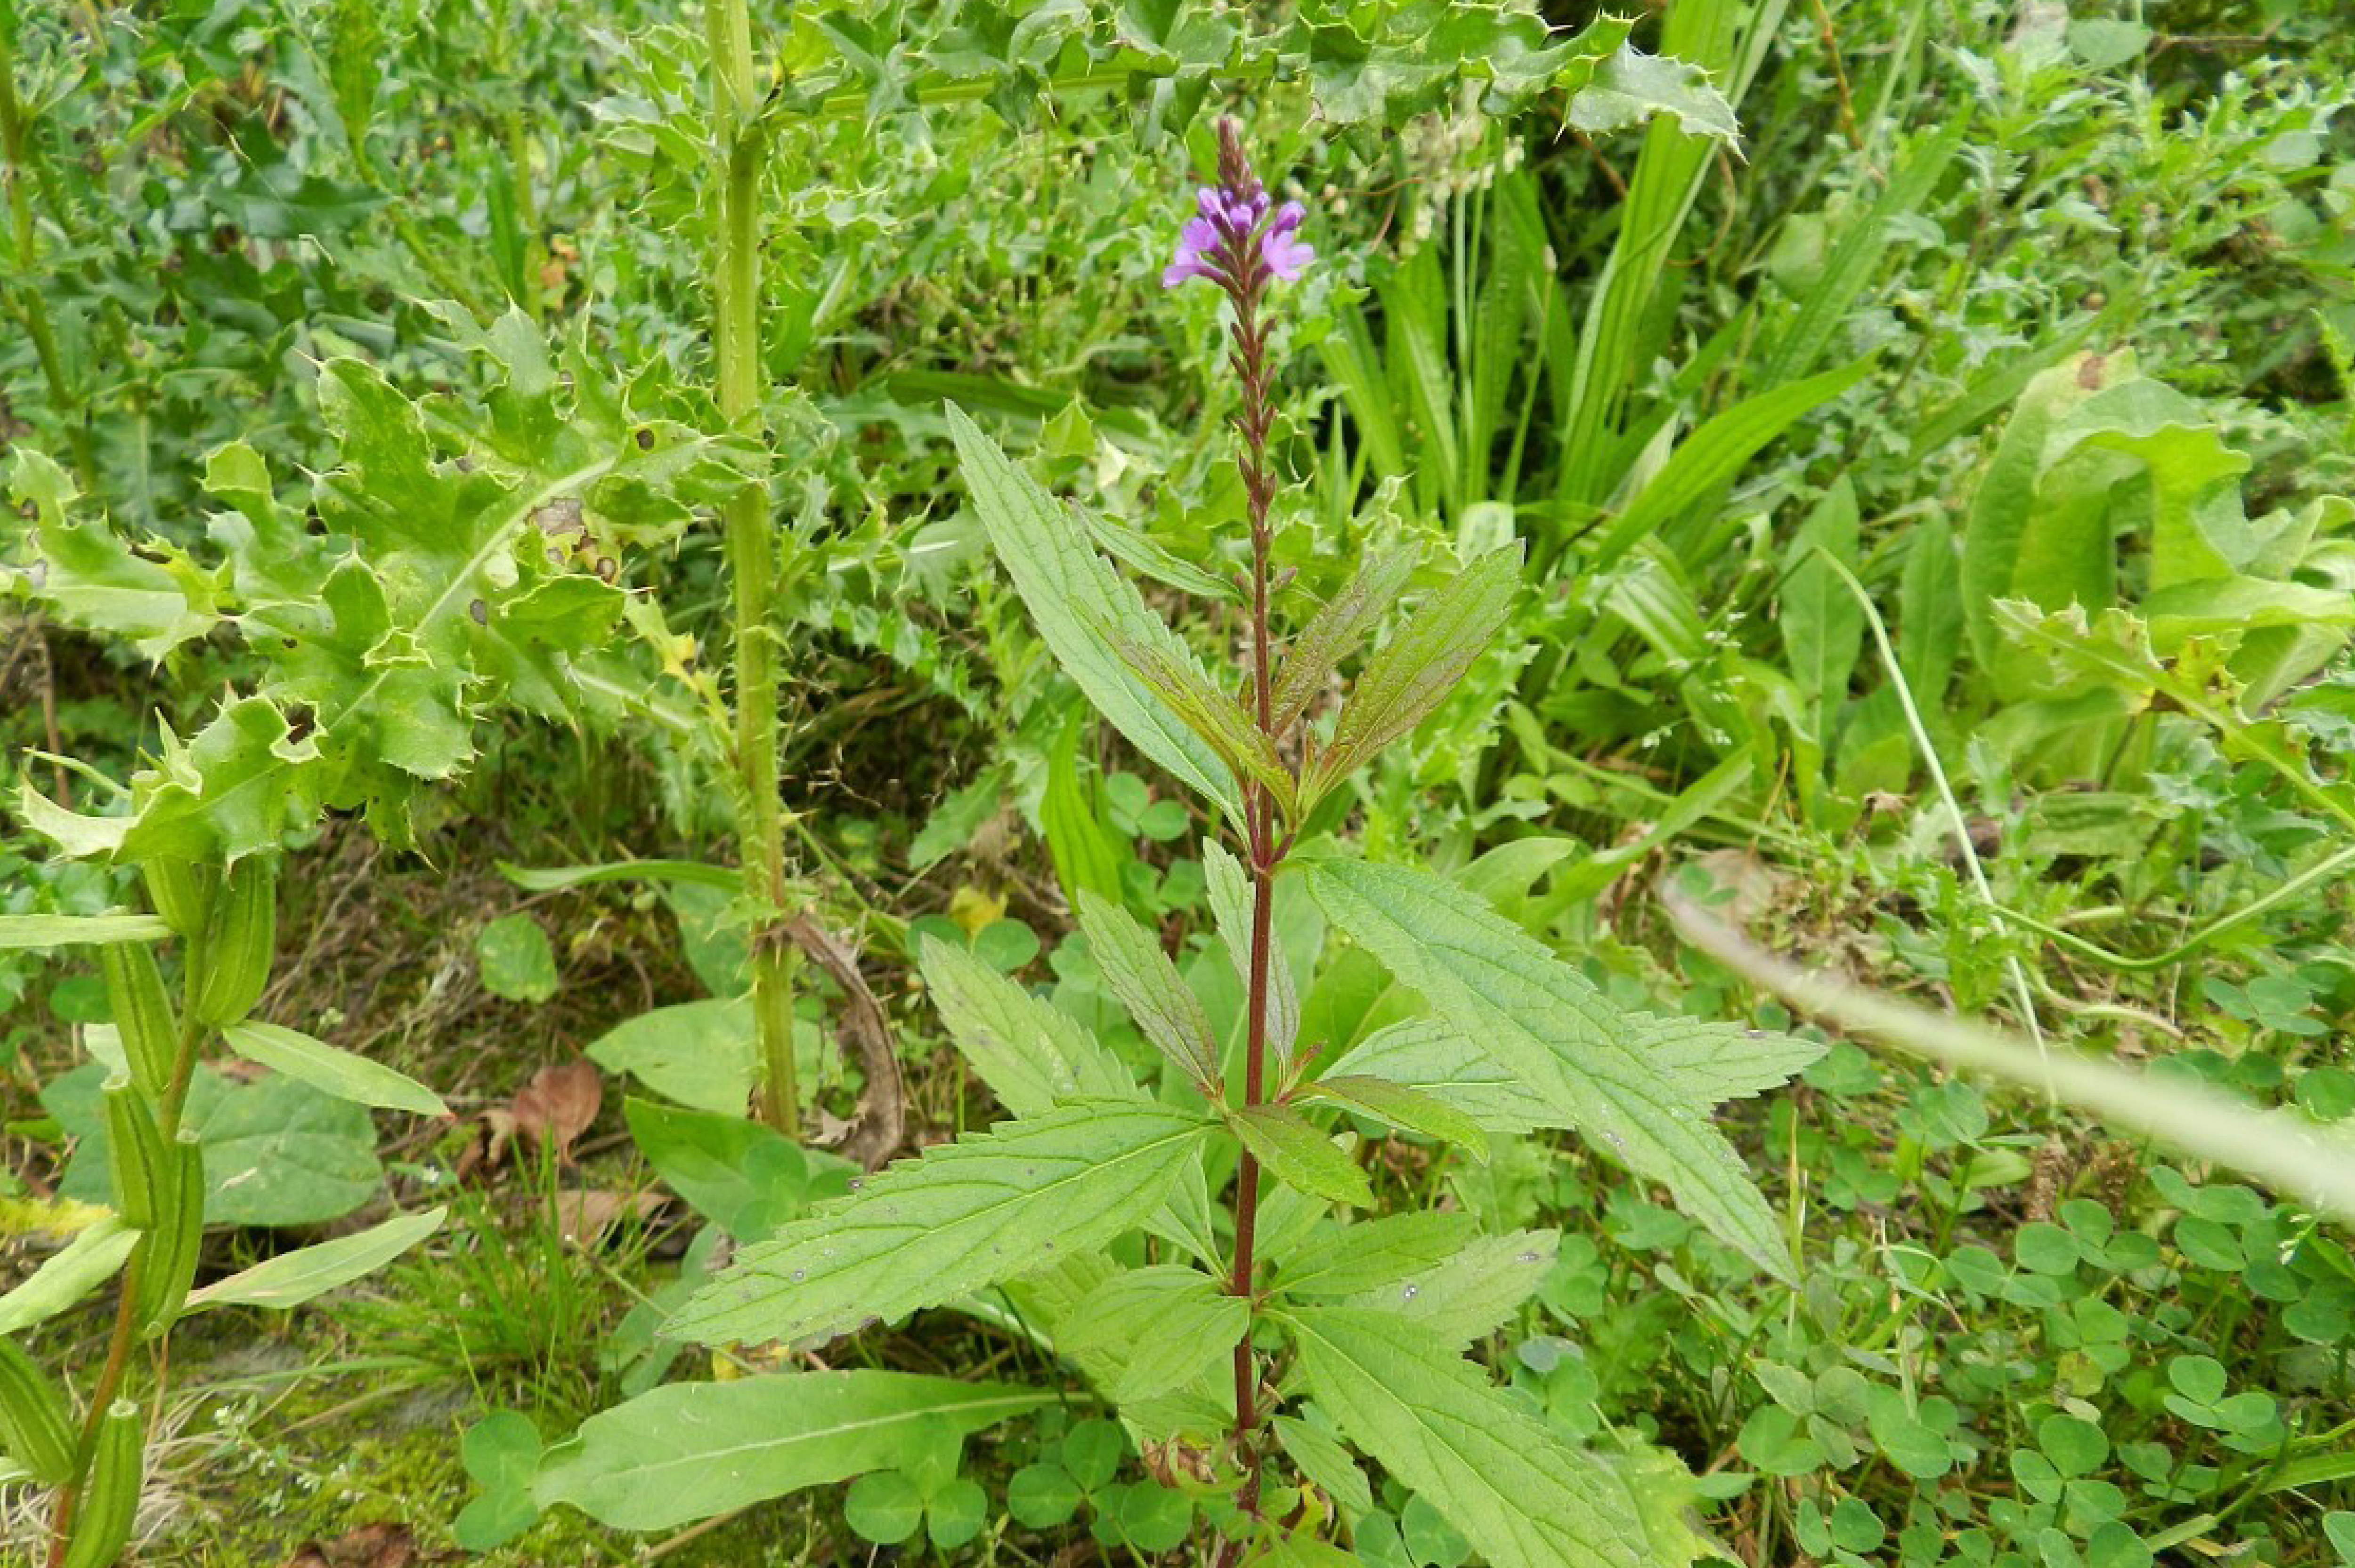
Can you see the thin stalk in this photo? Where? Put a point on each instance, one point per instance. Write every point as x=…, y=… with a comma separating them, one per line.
x=32, y=306
x=751, y=556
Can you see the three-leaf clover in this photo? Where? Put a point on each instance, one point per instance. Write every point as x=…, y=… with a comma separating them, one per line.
x=925, y=1492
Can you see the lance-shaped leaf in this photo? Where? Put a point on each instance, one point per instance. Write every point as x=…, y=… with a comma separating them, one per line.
x=1709, y=1063
x=1415, y=670
x=1344, y=1259
x=693, y=1450
x=21, y=931
x=1472, y=1293
x=1544, y=1024
x=1298, y=1154
x=1216, y=719
x=1075, y=598
x=1231, y=911
x=1151, y=989
x=985, y=1208
x=1159, y=1328
x=1337, y=629
x=1500, y=1476
x=291, y=1278
x=332, y=1070
x=1031, y=1053
x=1408, y=1109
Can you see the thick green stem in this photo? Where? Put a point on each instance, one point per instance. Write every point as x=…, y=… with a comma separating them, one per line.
x=751, y=553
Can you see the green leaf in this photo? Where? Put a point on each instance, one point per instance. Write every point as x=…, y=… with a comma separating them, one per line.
x=1416, y=668
x=291, y=1278
x=276, y=1151
x=1400, y=1106
x=1499, y=1476
x=332, y=1070
x=1338, y=628
x=556, y=878
x=1298, y=1155
x=94, y=1256
x=1633, y=88
x=1029, y=1052
x=689, y=1451
x=1341, y=1259
x=1325, y=1463
x=501, y=1454
x=1087, y=857
x=1231, y=910
x=517, y=960
x=1215, y=718
x=697, y=1052
x=967, y=1215
x=1473, y=1293
x=1548, y=1026
x=884, y=1507
x=1076, y=599
x=1159, y=1328
x=91, y=577
x=746, y=1177
x=18, y=932
x=1823, y=625
x=1149, y=985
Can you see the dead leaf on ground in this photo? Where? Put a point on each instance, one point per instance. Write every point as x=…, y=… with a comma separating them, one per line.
x=369, y=1546
x=559, y=1104
x=583, y=1214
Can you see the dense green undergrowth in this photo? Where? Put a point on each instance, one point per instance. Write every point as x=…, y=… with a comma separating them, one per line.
x=1928, y=429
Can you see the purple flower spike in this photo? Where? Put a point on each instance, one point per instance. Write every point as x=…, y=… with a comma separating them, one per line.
x=1225, y=242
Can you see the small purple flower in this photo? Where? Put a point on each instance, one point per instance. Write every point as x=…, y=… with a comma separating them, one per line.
x=1285, y=256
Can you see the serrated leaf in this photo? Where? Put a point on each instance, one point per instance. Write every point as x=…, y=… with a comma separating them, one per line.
x=1325, y=1462
x=1297, y=1154
x=1708, y=1062
x=1075, y=598
x=1029, y=1052
x=1415, y=670
x=335, y=1071
x=988, y=1207
x=291, y=1278
x=1633, y=88
x=1149, y=985
x=1216, y=719
x=1499, y=1475
x=1408, y=1109
x=691, y=1450
x=90, y=577
x=1341, y=1259
x=1231, y=910
x=1551, y=1029
x=1473, y=1293
x=1337, y=629
x=1158, y=1327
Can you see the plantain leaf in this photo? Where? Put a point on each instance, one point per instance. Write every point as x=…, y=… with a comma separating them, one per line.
x=1549, y=1028
x=1161, y=1327
x=1150, y=988
x=691, y=1450
x=1031, y=1053
x=985, y=1208
x=1298, y=1155
x=1077, y=602
x=1498, y=1474
x=1415, y=670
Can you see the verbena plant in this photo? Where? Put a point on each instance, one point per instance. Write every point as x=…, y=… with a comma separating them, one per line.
x=1249, y=1353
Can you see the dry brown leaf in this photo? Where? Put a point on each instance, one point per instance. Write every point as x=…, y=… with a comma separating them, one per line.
x=559, y=1105
x=583, y=1214
x=369, y=1546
